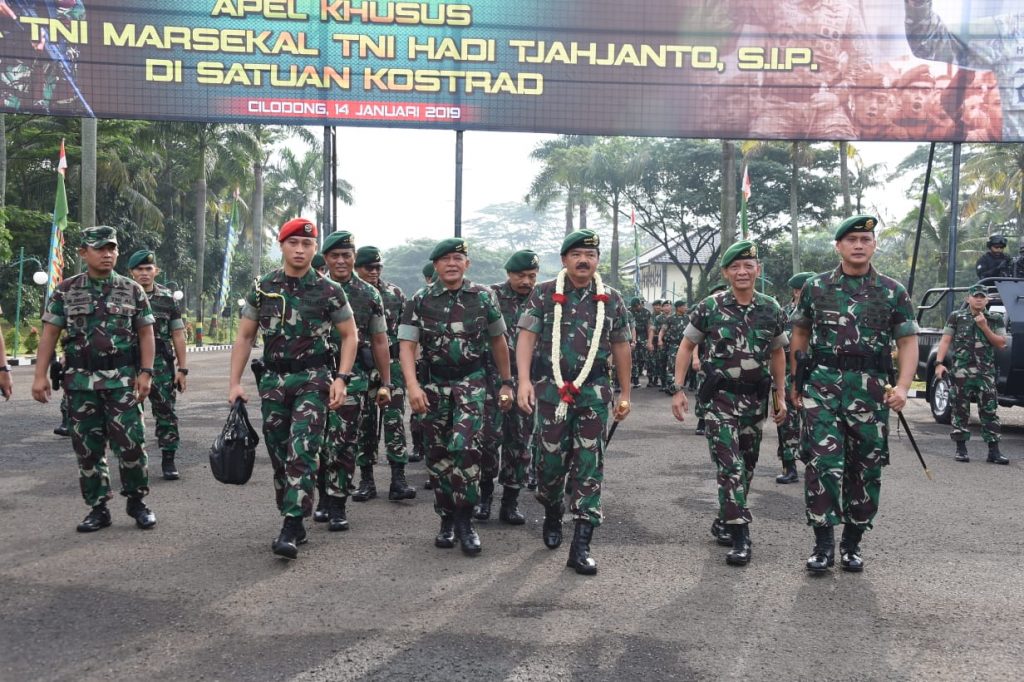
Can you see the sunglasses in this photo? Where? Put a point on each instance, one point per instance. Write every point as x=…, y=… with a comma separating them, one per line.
x=373, y=268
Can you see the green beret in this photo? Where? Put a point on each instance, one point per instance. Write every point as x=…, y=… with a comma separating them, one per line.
x=678, y=302
x=367, y=255
x=857, y=223
x=338, y=240
x=798, y=280
x=634, y=301
x=977, y=289
x=141, y=257
x=745, y=250
x=721, y=286
x=580, y=239
x=98, y=236
x=446, y=246
x=521, y=260
x=319, y=261
x=429, y=271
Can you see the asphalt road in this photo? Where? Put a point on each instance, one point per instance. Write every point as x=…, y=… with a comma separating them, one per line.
x=202, y=597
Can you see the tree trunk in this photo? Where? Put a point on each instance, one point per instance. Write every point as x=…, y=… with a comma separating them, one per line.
x=87, y=213
x=728, y=194
x=583, y=214
x=570, y=209
x=200, y=236
x=615, y=241
x=793, y=222
x=257, y=218
x=3, y=161
x=844, y=177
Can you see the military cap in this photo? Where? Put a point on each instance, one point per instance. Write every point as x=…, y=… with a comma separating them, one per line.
x=857, y=223
x=319, y=261
x=141, y=257
x=580, y=239
x=977, y=289
x=996, y=239
x=297, y=227
x=634, y=301
x=721, y=286
x=741, y=250
x=367, y=255
x=429, y=271
x=338, y=240
x=450, y=245
x=678, y=302
x=521, y=260
x=798, y=280
x=98, y=236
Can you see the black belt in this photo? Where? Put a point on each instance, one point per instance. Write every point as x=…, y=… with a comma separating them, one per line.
x=289, y=366
x=741, y=387
x=455, y=372
x=94, y=364
x=600, y=369
x=849, y=363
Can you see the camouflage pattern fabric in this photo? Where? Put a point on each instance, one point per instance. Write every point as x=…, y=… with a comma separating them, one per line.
x=570, y=453
x=453, y=330
x=739, y=341
x=98, y=417
x=297, y=316
x=845, y=421
x=973, y=377
x=31, y=77
x=674, y=326
x=100, y=319
x=394, y=413
x=656, y=370
x=641, y=356
x=162, y=397
x=789, y=430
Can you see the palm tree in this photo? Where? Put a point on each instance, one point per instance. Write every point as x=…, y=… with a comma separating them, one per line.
x=295, y=184
x=614, y=167
x=566, y=160
x=996, y=171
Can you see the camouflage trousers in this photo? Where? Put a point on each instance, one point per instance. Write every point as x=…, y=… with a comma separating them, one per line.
x=455, y=415
x=734, y=443
x=338, y=456
x=845, y=452
x=294, y=419
x=640, y=359
x=659, y=370
x=505, y=450
x=393, y=423
x=100, y=417
x=162, y=399
x=570, y=457
x=979, y=389
x=789, y=430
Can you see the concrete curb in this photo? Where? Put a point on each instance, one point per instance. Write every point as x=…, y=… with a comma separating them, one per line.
x=24, y=361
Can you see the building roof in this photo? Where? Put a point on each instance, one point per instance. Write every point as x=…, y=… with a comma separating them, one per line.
x=659, y=255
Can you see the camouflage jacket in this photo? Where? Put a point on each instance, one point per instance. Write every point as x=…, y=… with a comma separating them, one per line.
x=641, y=322
x=579, y=315
x=101, y=319
x=674, y=327
x=739, y=340
x=453, y=328
x=368, y=310
x=511, y=305
x=971, y=352
x=656, y=322
x=168, y=320
x=296, y=315
x=394, y=299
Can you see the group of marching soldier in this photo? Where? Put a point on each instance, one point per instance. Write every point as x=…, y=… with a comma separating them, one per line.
x=508, y=382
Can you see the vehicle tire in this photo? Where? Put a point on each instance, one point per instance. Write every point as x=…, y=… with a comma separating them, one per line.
x=942, y=410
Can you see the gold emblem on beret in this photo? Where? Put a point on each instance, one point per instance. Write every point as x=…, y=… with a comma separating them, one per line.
x=592, y=241
x=870, y=224
x=535, y=260
x=461, y=247
x=148, y=258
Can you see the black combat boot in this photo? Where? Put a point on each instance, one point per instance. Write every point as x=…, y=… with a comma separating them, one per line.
x=849, y=549
x=367, y=489
x=320, y=513
x=98, y=517
x=167, y=466
x=483, y=509
x=531, y=477
x=823, y=556
x=446, y=536
x=788, y=474
x=740, y=553
x=579, y=550
x=336, y=518
x=62, y=429
x=431, y=482
x=292, y=535
x=961, y=452
x=553, y=525
x=400, y=489
x=469, y=541
x=700, y=427
x=721, y=533
x=137, y=509
x=509, y=512
x=415, y=456
x=994, y=456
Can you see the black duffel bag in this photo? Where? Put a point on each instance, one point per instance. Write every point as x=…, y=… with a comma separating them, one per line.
x=234, y=452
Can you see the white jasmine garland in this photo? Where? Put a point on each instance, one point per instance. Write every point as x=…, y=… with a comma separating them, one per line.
x=564, y=389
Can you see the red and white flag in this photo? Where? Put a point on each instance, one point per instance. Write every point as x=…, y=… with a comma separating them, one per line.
x=746, y=185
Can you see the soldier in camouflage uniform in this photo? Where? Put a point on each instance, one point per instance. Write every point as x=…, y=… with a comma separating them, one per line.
x=505, y=439
x=670, y=335
x=849, y=318
x=169, y=333
x=455, y=321
x=416, y=419
x=368, y=267
x=656, y=349
x=641, y=323
x=343, y=437
x=974, y=333
x=297, y=311
x=789, y=430
x=592, y=327
x=744, y=333
x=109, y=354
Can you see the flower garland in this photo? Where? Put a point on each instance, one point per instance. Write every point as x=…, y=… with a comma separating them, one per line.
x=569, y=389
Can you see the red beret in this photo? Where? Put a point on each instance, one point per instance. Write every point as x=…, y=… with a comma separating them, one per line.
x=297, y=227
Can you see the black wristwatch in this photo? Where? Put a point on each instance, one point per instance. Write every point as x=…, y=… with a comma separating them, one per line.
x=511, y=383
x=344, y=376
x=674, y=388
x=390, y=387
x=183, y=370
x=147, y=370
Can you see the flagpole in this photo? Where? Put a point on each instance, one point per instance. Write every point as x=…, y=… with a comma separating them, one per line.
x=55, y=266
x=636, y=251
x=744, y=196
